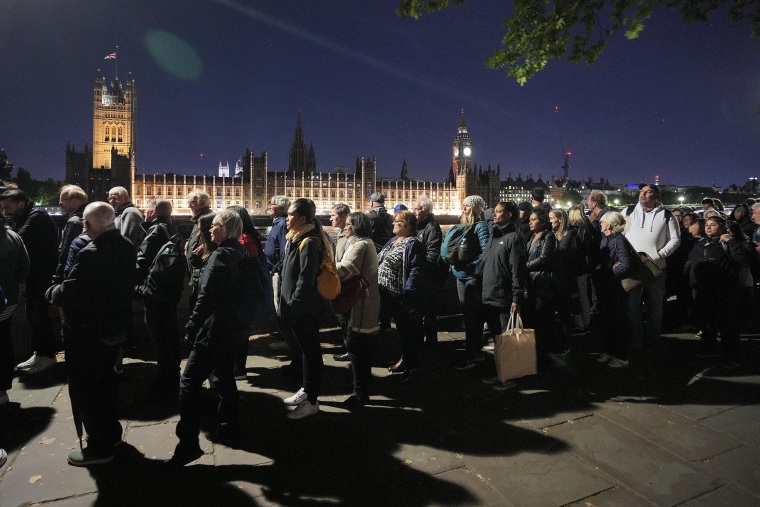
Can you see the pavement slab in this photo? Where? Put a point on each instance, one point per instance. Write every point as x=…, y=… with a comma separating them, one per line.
x=740, y=466
x=471, y=481
x=537, y=479
x=728, y=495
x=618, y=496
x=742, y=422
x=427, y=459
x=684, y=437
x=633, y=461
x=576, y=434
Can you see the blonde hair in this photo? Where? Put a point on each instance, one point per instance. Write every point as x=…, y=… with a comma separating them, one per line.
x=576, y=215
x=562, y=215
x=615, y=219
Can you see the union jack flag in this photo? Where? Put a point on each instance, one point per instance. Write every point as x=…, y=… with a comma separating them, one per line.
x=112, y=56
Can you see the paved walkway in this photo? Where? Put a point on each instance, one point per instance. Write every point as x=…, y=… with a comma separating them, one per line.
x=667, y=431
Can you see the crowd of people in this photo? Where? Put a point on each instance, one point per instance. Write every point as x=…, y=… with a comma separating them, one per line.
x=555, y=267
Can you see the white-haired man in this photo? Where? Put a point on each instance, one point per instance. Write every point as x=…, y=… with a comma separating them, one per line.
x=199, y=203
x=161, y=307
x=274, y=251
x=73, y=200
x=96, y=298
x=129, y=219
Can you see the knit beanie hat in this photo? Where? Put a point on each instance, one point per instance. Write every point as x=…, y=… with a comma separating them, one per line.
x=476, y=203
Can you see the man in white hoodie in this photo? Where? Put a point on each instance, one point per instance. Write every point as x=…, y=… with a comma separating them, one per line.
x=652, y=229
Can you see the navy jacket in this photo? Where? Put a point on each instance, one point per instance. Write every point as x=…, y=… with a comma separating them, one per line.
x=274, y=248
x=73, y=228
x=415, y=280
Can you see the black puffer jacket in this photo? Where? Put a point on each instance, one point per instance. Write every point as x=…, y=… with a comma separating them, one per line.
x=504, y=270
x=159, y=232
x=40, y=237
x=213, y=323
x=544, y=267
x=713, y=265
x=73, y=228
x=96, y=294
x=429, y=233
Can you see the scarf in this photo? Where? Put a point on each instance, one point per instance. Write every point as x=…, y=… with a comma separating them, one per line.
x=299, y=233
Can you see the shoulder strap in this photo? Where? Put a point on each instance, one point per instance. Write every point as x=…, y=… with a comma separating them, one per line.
x=630, y=209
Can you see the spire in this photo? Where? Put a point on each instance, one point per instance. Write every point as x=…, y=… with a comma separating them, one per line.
x=462, y=124
x=404, y=171
x=298, y=136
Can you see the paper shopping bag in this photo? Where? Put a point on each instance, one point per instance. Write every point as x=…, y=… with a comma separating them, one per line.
x=515, y=350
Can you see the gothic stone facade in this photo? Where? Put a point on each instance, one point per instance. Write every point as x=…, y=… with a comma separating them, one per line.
x=256, y=184
x=110, y=161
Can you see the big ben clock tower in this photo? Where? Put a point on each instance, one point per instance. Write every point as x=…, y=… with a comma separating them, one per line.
x=461, y=160
x=461, y=149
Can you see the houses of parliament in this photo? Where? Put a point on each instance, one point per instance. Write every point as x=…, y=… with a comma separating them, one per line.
x=111, y=162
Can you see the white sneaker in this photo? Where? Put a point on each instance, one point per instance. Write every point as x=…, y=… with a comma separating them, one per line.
x=41, y=364
x=296, y=399
x=616, y=363
x=304, y=409
x=28, y=363
x=488, y=347
x=603, y=358
x=491, y=381
x=504, y=386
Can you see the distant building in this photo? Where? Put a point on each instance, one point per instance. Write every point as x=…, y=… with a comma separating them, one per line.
x=254, y=184
x=110, y=161
x=518, y=189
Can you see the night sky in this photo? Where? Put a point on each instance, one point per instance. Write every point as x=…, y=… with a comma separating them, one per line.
x=217, y=77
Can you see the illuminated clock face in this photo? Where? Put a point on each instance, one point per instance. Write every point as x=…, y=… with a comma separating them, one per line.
x=106, y=100
x=456, y=152
x=467, y=151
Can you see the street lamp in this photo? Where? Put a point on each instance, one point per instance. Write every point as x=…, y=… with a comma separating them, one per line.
x=681, y=199
x=617, y=202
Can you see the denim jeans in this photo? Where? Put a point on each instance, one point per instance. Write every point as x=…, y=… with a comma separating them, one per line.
x=358, y=347
x=408, y=325
x=306, y=332
x=654, y=296
x=470, y=295
x=200, y=363
x=161, y=319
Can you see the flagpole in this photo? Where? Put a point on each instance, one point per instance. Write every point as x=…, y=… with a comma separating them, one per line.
x=116, y=62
